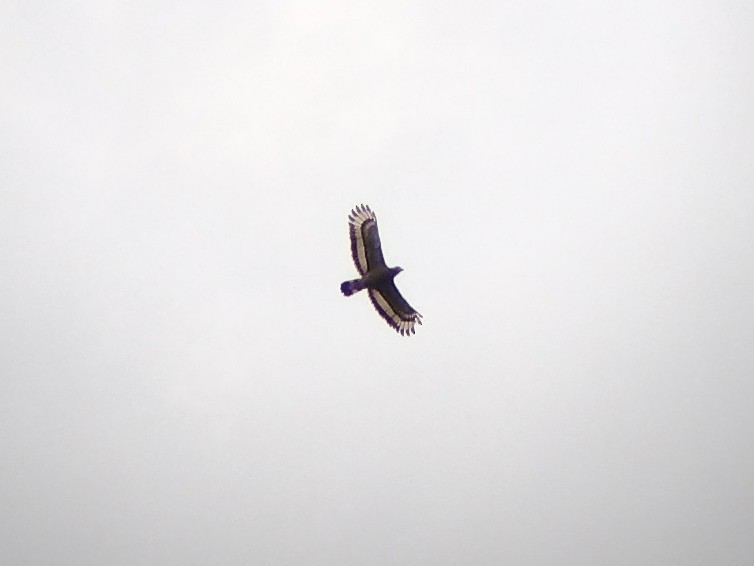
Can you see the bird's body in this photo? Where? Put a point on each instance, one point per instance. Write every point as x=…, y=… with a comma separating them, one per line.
x=376, y=276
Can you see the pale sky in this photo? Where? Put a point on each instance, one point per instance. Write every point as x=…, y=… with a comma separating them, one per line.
x=569, y=187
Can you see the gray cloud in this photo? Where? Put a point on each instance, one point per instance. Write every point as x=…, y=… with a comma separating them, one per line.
x=568, y=188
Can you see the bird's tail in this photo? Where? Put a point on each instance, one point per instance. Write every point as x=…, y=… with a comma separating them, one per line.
x=348, y=288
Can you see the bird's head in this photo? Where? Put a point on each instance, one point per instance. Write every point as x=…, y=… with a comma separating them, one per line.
x=396, y=270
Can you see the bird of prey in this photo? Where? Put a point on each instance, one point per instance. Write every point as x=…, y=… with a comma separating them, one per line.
x=376, y=276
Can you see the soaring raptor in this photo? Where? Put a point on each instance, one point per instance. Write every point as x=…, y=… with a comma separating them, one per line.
x=376, y=277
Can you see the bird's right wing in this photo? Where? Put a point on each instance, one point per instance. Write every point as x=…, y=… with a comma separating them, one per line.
x=365, y=239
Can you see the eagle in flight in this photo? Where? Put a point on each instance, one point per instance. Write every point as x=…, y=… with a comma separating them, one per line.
x=376, y=276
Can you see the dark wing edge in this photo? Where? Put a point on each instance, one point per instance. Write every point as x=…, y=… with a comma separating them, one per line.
x=391, y=306
x=365, y=240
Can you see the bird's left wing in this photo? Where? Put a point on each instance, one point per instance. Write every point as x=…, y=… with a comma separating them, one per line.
x=365, y=239
x=394, y=308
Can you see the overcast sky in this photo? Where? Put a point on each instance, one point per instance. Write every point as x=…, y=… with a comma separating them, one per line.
x=569, y=187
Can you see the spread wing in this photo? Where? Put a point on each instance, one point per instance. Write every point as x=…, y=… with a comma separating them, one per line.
x=394, y=308
x=365, y=240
